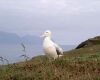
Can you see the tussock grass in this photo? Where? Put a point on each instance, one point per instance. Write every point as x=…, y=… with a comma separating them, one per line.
x=80, y=64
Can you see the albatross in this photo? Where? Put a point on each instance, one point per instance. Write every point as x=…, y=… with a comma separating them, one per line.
x=51, y=49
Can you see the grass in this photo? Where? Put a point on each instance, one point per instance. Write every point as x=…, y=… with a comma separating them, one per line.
x=78, y=64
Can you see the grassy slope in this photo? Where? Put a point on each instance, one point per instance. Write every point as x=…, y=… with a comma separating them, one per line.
x=80, y=64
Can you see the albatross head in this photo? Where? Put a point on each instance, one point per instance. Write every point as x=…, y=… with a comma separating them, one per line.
x=47, y=33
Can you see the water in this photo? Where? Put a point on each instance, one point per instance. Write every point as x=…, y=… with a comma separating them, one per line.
x=13, y=52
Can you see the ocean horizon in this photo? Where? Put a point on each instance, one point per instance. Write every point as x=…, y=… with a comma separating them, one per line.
x=13, y=52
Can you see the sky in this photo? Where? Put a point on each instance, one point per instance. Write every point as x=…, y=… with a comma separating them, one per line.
x=71, y=21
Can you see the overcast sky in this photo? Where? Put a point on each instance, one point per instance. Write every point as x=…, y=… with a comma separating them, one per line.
x=71, y=21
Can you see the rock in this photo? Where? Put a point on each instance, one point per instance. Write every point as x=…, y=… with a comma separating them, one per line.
x=89, y=42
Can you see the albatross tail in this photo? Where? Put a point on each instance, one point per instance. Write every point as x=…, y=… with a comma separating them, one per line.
x=60, y=56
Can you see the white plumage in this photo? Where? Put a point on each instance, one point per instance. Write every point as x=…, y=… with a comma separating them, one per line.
x=51, y=49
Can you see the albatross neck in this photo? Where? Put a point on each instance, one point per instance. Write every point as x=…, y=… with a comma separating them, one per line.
x=47, y=38
x=47, y=41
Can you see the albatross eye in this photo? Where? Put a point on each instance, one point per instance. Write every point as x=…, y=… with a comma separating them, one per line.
x=46, y=32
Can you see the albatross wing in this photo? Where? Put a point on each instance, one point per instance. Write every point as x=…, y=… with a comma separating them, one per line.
x=58, y=49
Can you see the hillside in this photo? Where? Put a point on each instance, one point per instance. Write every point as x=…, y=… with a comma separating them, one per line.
x=89, y=42
x=77, y=64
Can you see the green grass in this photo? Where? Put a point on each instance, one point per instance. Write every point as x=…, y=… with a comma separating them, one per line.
x=79, y=64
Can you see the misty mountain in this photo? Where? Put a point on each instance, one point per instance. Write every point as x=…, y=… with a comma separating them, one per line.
x=30, y=39
x=12, y=38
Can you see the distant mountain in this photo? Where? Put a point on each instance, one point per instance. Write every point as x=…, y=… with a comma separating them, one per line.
x=30, y=39
x=12, y=38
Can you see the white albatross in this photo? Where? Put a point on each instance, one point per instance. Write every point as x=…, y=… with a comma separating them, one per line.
x=51, y=49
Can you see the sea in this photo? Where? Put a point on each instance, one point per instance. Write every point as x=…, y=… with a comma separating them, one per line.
x=13, y=52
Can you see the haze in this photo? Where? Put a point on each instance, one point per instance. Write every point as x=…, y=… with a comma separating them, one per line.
x=71, y=21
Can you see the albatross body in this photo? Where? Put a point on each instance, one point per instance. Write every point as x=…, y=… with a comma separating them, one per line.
x=51, y=49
